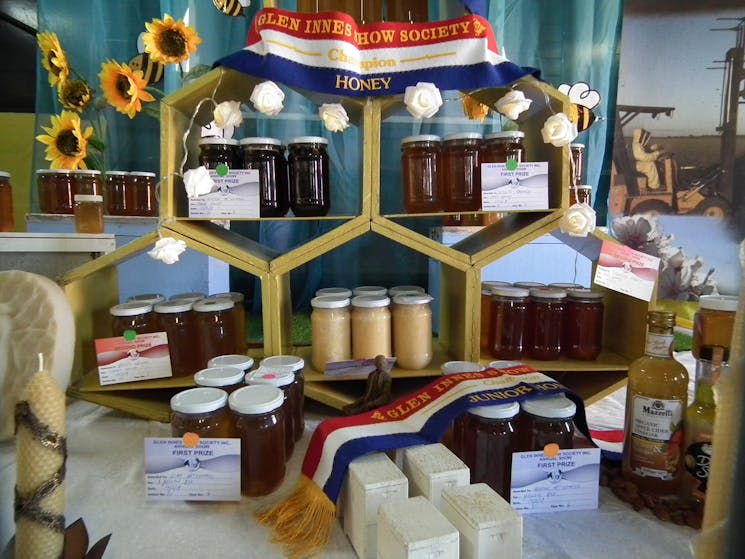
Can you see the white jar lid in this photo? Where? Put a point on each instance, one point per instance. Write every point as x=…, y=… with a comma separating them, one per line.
x=152, y=298
x=53, y=171
x=173, y=306
x=256, y=398
x=213, y=305
x=584, y=294
x=412, y=299
x=293, y=362
x=132, y=308
x=191, y=297
x=260, y=140
x=88, y=198
x=529, y=284
x=718, y=302
x=566, y=285
x=89, y=172
x=329, y=302
x=116, y=173
x=576, y=145
x=502, y=364
x=462, y=136
x=510, y=291
x=214, y=140
x=452, y=367
x=242, y=362
x=235, y=296
x=550, y=407
x=370, y=301
x=546, y=293
x=142, y=174
x=273, y=376
x=420, y=138
x=308, y=140
x=505, y=134
x=219, y=376
x=498, y=411
x=401, y=289
x=199, y=400
x=337, y=291
x=4, y=174
x=370, y=290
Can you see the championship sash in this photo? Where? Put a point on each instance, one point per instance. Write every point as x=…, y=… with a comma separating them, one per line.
x=328, y=52
x=303, y=523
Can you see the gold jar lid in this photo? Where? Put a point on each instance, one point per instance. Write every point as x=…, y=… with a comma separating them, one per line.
x=661, y=319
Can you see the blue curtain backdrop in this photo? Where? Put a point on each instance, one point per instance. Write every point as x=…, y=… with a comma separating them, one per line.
x=571, y=40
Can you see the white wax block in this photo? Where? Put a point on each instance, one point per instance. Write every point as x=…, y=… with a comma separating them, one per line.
x=432, y=468
x=489, y=527
x=415, y=529
x=35, y=317
x=371, y=480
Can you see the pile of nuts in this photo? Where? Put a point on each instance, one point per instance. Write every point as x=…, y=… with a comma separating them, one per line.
x=667, y=509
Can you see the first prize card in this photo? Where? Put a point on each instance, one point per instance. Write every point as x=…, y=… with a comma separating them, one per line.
x=132, y=357
x=192, y=469
x=514, y=186
x=235, y=195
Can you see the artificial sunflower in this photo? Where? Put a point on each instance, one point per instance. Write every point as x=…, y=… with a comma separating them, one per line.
x=53, y=58
x=74, y=94
x=66, y=141
x=123, y=87
x=169, y=41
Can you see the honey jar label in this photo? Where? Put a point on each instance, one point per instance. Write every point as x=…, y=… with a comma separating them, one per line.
x=235, y=195
x=132, y=357
x=191, y=468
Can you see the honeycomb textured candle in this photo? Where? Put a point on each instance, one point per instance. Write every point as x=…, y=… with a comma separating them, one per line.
x=40, y=498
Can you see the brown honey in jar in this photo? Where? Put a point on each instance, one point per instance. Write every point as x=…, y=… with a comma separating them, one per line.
x=486, y=437
x=266, y=155
x=133, y=316
x=214, y=151
x=6, y=203
x=714, y=322
x=583, y=324
x=55, y=191
x=546, y=420
x=460, y=172
x=509, y=321
x=283, y=379
x=203, y=411
x=142, y=195
x=88, y=213
x=115, y=192
x=420, y=173
x=259, y=422
x=215, y=328
x=239, y=314
x=225, y=378
x=485, y=322
x=176, y=319
x=500, y=147
x=297, y=366
x=87, y=181
x=545, y=321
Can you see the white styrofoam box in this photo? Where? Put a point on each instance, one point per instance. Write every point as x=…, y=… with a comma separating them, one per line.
x=371, y=480
x=489, y=527
x=415, y=529
x=432, y=468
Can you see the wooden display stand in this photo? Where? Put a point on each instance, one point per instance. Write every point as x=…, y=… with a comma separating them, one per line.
x=182, y=115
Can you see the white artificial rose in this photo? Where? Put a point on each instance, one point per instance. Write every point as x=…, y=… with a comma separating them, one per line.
x=422, y=100
x=334, y=117
x=167, y=250
x=578, y=220
x=513, y=103
x=559, y=130
x=228, y=114
x=197, y=182
x=267, y=98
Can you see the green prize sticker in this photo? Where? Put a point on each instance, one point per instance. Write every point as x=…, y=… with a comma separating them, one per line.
x=510, y=165
x=130, y=335
x=222, y=170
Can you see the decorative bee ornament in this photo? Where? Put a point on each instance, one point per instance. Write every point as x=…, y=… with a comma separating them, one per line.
x=233, y=8
x=152, y=72
x=584, y=100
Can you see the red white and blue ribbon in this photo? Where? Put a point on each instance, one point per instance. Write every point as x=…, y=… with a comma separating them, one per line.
x=328, y=52
x=420, y=418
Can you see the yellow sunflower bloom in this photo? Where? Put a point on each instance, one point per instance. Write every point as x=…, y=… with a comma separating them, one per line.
x=53, y=58
x=169, y=41
x=74, y=94
x=123, y=87
x=66, y=141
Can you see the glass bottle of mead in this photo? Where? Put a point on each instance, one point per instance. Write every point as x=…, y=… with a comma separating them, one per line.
x=656, y=401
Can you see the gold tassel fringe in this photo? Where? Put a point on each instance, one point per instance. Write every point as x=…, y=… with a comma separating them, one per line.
x=302, y=524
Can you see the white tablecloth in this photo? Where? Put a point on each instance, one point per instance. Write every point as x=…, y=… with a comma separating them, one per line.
x=105, y=486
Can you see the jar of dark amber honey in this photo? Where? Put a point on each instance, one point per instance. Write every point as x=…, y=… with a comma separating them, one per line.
x=583, y=324
x=545, y=420
x=142, y=196
x=420, y=173
x=460, y=176
x=509, y=319
x=284, y=380
x=134, y=316
x=500, y=147
x=297, y=366
x=215, y=328
x=177, y=320
x=714, y=322
x=259, y=422
x=203, y=411
x=545, y=321
x=55, y=191
x=115, y=192
x=226, y=378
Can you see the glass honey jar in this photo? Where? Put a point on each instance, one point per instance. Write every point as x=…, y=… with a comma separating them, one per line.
x=259, y=422
x=215, y=151
x=309, y=171
x=283, y=379
x=203, y=411
x=6, y=203
x=371, y=326
x=239, y=316
x=545, y=420
x=714, y=322
x=266, y=155
x=87, y=181
x=420, y=173
x=88, y=213
x=115, y=192
x=509, y=321
x=142, y=195
x=55, y=191
x=412, y=330
x=331, y=330
x=461, y=173
x=545, y=322
x=177, y=320
x=500, y=147
x=215, y=329
x=297, y=366
x=133, y=316
x=582, y=330
x=225, y=378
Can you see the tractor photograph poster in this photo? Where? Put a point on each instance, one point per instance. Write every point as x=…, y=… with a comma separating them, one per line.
x=678, y=174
